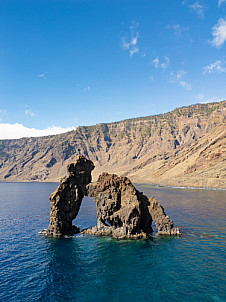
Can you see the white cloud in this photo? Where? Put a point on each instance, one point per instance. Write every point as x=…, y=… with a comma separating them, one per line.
x=178, y=78
x=130, y=43
x=219, y=33
x=43, y=75
x=164, y=64
x=198, y=9
x=133, y=51
x=13, y=131
x=216, y=67
x=220, y=2
x=156, y=62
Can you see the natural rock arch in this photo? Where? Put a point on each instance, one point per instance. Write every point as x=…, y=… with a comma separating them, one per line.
x=122, y=211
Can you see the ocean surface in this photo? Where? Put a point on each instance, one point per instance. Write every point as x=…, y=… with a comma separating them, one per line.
x=87, y=268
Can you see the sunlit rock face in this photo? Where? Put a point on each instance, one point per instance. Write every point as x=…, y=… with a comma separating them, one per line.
x=122, y=211
x=163, y=223
x=125, y=213
x=66, y=199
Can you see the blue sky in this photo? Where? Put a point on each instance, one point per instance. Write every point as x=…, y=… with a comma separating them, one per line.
x=83, y=62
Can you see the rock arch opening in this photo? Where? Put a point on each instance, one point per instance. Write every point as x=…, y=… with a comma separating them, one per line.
x=122, y=211
x=87, y=215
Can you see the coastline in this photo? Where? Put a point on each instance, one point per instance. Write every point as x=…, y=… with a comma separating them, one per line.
x=179, y=187
x=146, y=184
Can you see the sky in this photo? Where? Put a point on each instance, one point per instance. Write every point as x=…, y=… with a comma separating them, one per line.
x=65, y=64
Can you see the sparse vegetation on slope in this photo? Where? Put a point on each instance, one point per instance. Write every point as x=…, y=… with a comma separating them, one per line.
x=185, y=147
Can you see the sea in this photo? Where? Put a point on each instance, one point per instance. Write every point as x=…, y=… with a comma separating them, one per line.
x=85, y=268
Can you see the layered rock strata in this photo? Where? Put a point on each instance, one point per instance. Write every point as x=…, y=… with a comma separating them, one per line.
x=122, y=211
x=67, y=198
x=185, y=147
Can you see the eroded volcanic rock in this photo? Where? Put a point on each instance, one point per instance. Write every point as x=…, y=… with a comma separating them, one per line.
x=124, y=212
x=67, y=198
x=163, y=223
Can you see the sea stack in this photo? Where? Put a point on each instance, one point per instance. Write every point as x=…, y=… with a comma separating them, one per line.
x=125, y=213
x=66, y=199
x=122, y=211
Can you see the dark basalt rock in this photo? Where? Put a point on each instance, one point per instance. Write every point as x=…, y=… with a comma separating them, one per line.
x=67, y=198
x=125, y=213
x=122, y=211
x=163, y=223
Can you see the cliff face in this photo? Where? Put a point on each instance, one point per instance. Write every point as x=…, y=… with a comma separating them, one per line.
x=185, y=147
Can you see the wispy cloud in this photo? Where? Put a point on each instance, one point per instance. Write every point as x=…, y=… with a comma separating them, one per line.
x=198, y=9
x=131, y=43
x=156, y=62
x=29, y=112
x=86, y=89
x=220, y=2
x=178, y=30
x=175, y=77
x=166, y=63
x=178, y=78
x=216, y=67
x=185, y=85
x=161, y=64
x=12, y=131
x=219, y=33
x=2, y=113
x=203, y=99
x=43, y=75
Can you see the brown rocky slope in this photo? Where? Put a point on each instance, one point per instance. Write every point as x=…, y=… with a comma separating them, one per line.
x=185, y=147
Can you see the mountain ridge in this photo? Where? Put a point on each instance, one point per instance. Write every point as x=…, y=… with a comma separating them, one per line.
x=183, y=147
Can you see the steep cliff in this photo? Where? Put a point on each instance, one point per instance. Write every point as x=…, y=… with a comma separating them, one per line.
x=185, y=147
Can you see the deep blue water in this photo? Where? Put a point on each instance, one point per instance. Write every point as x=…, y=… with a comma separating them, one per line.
x=88, y=268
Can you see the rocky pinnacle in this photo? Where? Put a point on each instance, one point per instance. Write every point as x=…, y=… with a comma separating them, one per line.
x=66, y=199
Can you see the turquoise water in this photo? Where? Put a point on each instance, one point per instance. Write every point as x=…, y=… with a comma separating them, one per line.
x=87, y=268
